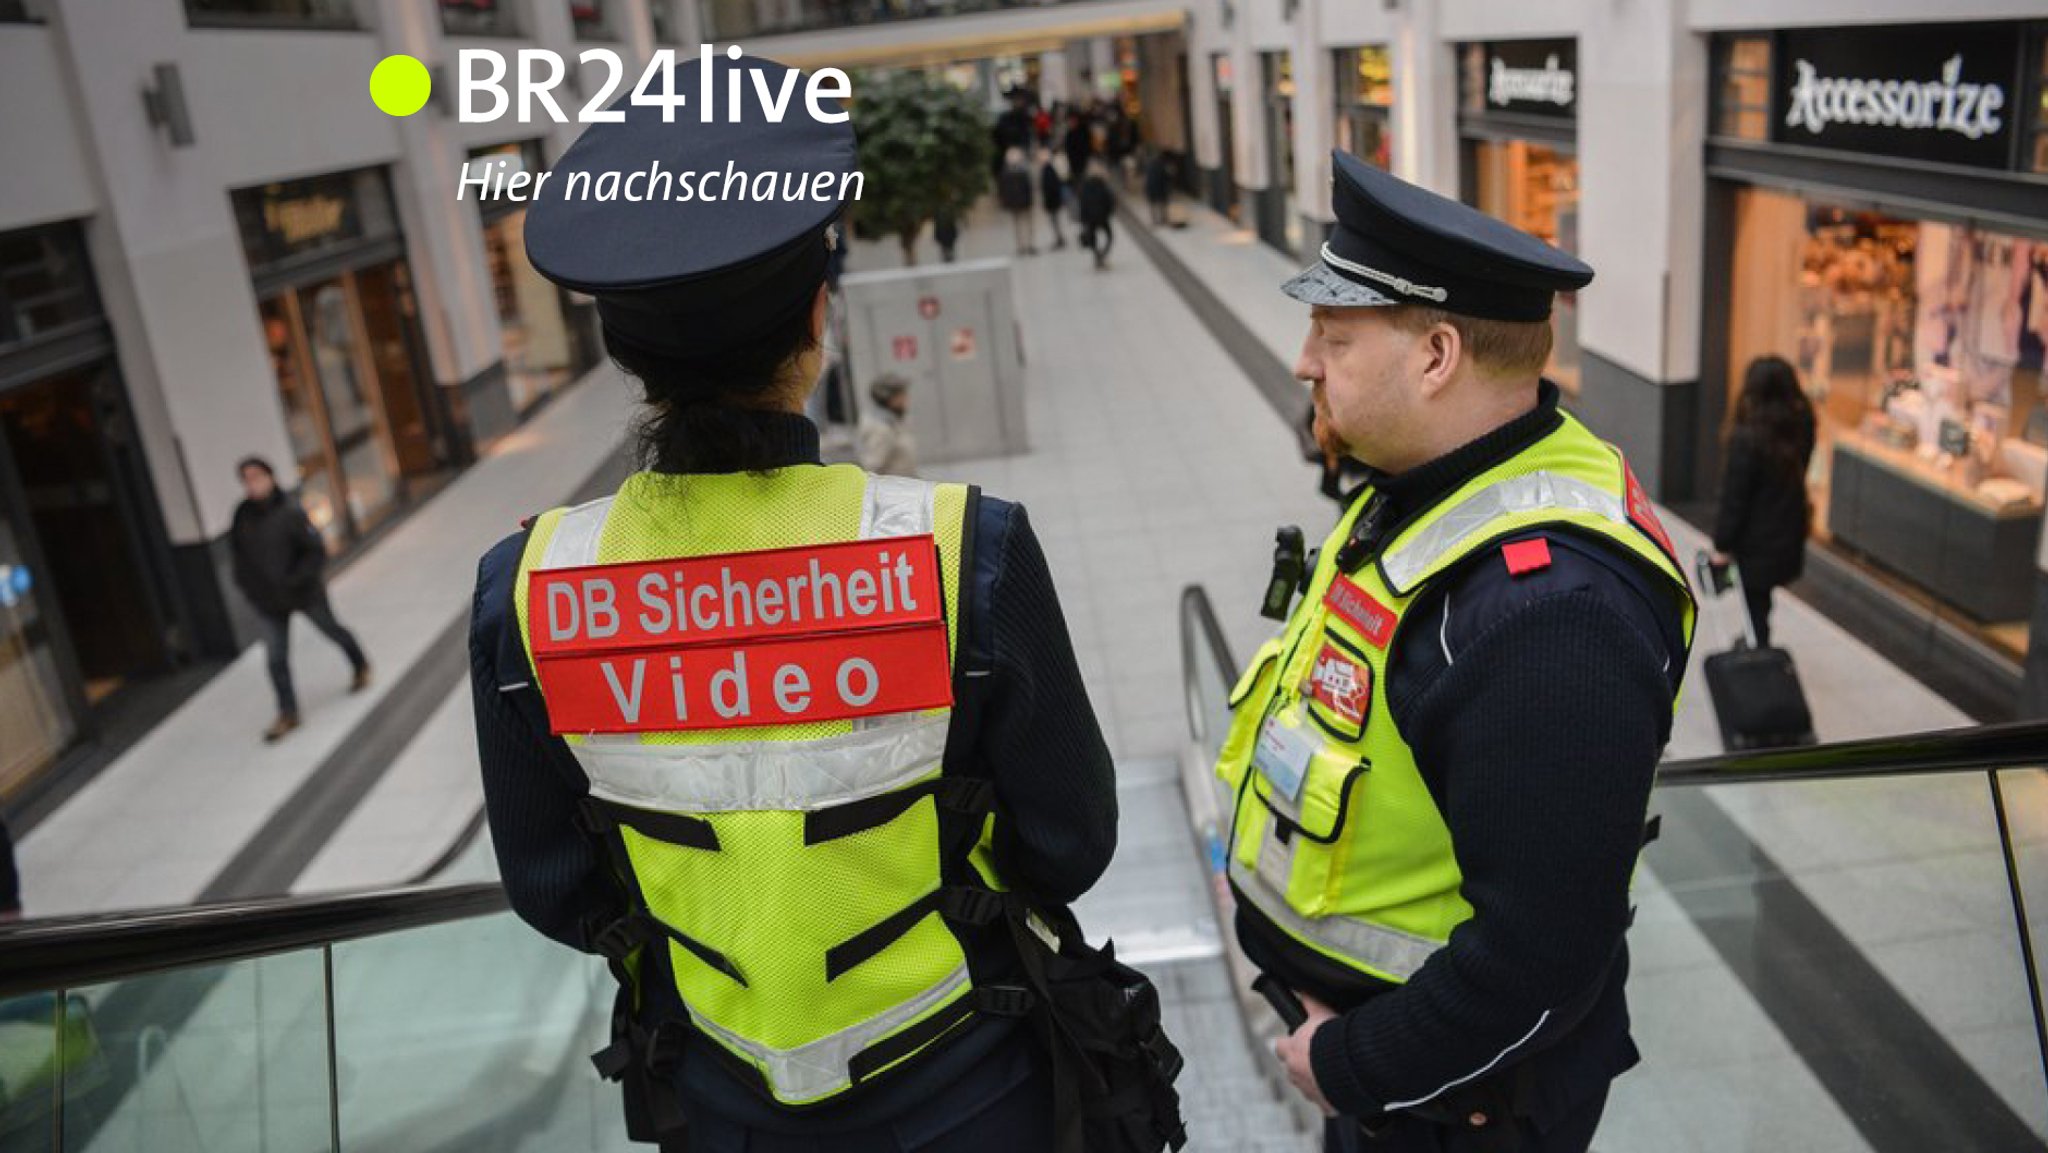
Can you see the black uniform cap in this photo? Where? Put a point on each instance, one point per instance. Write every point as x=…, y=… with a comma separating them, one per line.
x=1395, y=243
x=696, y=277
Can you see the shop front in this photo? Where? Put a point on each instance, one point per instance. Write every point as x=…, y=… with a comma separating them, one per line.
x=1365, y=102
x=1223, y=178
x=85, y=602
x=1518, y=156
x=1879, y=218
x=545, y=344
x=1275, y=209
x=334, y=294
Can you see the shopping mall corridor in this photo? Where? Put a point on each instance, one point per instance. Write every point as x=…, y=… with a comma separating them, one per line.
x=1825, y=966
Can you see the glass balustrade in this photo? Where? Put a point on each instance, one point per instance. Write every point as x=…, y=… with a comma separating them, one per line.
x=1823, y=965
x=471, y=1034
x=1841, y=963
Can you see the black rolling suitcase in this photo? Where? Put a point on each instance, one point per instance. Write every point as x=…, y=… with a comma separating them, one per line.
x=1756, y=692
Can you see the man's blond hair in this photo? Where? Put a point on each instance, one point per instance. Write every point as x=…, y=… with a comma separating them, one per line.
x=1499, y=349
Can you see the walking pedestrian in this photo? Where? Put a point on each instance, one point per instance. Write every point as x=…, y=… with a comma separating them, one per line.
x=1078, y=144
x=1765, y=513
x=946, y=230
x=1013, y=190
x=1098, y=205
x=278, y=559
x=1158, y=187
x=1052, y=191
x=10, y=877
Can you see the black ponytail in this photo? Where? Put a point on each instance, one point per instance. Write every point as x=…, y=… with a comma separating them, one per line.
x=696, y=406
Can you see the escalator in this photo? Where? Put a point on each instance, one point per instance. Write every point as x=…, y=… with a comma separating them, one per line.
x=1874, y=990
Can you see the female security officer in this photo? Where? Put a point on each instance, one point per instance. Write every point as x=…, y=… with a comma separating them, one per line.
x=767, y=734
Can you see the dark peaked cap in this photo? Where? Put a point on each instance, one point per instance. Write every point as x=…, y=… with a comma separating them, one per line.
x=696, y=277
x=1395, y=243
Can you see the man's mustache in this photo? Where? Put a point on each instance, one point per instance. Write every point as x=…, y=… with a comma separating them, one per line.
x=1325, y=433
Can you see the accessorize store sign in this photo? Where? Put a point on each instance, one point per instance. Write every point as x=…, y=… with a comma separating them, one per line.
x=1539, y=76
x=1944, y=93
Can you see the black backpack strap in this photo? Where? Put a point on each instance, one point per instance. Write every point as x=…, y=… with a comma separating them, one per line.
x=1113, y=1066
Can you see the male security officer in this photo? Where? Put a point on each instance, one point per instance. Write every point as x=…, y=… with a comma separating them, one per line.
x=1442, y=764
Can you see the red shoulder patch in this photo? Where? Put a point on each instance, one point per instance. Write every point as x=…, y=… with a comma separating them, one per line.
x=1526, y=556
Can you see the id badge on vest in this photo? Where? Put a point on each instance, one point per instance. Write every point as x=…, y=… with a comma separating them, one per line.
x=1284, y=750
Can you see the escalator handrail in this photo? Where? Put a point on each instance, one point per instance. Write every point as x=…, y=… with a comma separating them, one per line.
x=68, y=952
x=1196, y=613
x=456, y=847
x=1982, y=748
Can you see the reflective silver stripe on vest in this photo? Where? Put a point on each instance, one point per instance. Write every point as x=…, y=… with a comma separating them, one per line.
x=756, y=775
x=576, y=534
x=575, y=542
x=1405, y=563
x=1389, y=951
x=811, y=1071
x=897, y=506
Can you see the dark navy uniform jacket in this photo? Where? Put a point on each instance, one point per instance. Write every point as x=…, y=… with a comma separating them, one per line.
x=1031, y=731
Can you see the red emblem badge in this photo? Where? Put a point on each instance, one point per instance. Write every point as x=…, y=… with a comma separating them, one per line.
x=1342, y=685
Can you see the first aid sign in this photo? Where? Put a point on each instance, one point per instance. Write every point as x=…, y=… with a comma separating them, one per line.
x=788, y=636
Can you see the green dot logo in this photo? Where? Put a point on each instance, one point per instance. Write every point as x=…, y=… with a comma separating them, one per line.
x=399, y=85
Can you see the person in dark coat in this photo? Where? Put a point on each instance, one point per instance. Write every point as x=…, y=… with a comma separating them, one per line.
x=1158, y=187
x=1013, y=192
x=10, y=878
x=946, y=230
x=1052, y=193
x=1098, y=205
x=1764, y=515
x=1013, y=129
x=1079, y=145
x=278, y=557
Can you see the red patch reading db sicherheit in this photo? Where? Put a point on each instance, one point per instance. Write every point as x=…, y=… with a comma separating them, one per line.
x=787, y=636
x=1373, y=620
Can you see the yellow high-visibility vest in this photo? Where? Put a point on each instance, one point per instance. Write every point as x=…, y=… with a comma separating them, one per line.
x=806, y=887
x=1335, y=837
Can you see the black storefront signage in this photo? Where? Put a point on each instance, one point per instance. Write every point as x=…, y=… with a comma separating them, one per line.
x=1947, y=93
x=1534, y=76
x=295, y=219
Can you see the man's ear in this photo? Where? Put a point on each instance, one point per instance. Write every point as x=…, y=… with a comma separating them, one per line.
x=1443, y=351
